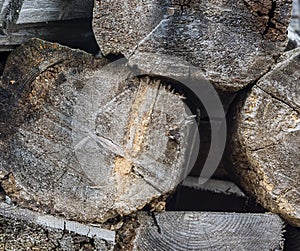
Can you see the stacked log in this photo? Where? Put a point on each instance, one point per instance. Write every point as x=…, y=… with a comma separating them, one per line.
x=232, y=42
x=180, y=230
x=169, y=29
x=265, y=140
x=98, y=139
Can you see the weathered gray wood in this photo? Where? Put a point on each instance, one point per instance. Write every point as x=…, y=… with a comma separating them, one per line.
x=87, y=141
x=215, y=186
x=265, y=143
x=33, y=11
x=294, y=27
x=21, y=233
x=232, y=42
x=208, y=231
x=48, y=221
x=61, y=21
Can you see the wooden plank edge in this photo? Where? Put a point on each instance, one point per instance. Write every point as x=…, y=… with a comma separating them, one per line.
x=54, y=222
x=215, y=186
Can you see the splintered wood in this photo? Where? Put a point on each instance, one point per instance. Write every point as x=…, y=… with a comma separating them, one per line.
x=87, y=140
x=91, y=147
x=208, y=231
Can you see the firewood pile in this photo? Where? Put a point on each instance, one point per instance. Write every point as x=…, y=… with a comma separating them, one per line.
x=149, y=125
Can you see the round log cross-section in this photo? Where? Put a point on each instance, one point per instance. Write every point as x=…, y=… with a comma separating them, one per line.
x=86, y=140
x=266, y=139
x=232, y=42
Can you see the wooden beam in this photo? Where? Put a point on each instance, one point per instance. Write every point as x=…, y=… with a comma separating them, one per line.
x=22, y=229
x=46, y=11
x=48, y=221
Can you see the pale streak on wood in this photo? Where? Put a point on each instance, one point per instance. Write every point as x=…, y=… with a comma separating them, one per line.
x=215, y=186
x=208, y=231
x=141, y=113
x=56, y=222
x=232, y=42
x=73, y=155
x=265, y=147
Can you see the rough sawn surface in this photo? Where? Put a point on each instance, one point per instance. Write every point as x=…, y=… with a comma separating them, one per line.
x=266, y=139
x=87, y=141
x=209, y=231
x=232, y=42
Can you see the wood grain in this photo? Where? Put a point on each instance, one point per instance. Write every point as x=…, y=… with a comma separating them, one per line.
x=265, y=140
x=33, y=11
x=62, y=21
x=209, y=231
x=232, y=42
x=86, y=140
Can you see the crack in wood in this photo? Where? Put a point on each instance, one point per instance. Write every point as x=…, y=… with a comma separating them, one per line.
x=279, y=99
x=152, y=214
x=54, y=222
x=271, y=15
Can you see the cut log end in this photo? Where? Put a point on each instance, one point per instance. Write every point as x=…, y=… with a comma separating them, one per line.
x=265, y=149
x=89, y=143
x=208, y=231
x=233, y=43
